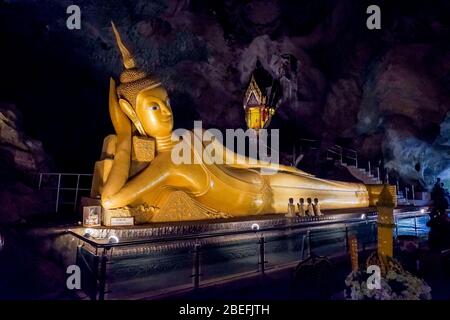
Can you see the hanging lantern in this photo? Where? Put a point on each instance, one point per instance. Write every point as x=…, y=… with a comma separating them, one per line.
x=261, y=99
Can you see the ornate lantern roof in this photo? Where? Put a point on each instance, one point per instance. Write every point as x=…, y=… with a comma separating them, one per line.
x=261, y=98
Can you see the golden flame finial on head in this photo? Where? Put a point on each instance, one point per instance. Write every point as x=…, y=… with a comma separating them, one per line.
x=128, y=60
x=132, y=79
x=136, y=91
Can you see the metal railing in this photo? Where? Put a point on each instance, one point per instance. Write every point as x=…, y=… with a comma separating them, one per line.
x=407, y=195
x=346, y=156
x=334, y=151
x=306, y=144
x=67, y=188
x=351, y=155
x=312, y=240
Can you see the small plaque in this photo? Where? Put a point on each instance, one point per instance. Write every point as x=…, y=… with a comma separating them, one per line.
x=143, y=149
x=92, y=216
x=122, y=221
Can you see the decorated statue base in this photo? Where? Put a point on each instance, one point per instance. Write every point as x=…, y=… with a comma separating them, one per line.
x=177, y=207
x=395, y=283
x=168, y=230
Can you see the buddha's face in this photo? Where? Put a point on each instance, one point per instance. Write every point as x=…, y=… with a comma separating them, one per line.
x=153, y=112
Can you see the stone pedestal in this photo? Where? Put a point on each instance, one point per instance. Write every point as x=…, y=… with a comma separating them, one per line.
x=106, y=214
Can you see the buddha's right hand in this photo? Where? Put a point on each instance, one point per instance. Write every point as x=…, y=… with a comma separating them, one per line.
x=118, y=175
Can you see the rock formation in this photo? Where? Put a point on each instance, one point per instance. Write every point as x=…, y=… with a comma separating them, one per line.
x=21, y=158
x=17, y=150
x=385, y=93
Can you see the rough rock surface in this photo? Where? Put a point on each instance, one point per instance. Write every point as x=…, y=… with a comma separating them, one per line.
x=17, y=150
x=21, y=158
x=384, y=93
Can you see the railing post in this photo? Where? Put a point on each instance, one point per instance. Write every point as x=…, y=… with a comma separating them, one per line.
x=102, y=276
x=303, y=247
x=262, y=254
x=40, y=181
x=396, y=228
x=413, y=195
x=57, y=193
x=415, y=226
x=368, y=164
x=347, y=245
x=378, y=173
x=308, y=233
x=196, y=268
x=76, y=193
x=373, y=233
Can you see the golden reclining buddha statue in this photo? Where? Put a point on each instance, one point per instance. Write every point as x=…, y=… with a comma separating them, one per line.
x=138, y=178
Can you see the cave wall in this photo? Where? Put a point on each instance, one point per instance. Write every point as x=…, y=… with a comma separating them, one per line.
x=383, y=92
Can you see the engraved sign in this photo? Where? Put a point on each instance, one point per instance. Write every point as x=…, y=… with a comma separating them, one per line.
x=122, y=221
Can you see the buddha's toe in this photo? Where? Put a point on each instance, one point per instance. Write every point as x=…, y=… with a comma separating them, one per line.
x=107, y=202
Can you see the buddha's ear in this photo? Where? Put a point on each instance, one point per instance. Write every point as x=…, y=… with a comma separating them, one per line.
x=126, y=107
x=118, y=118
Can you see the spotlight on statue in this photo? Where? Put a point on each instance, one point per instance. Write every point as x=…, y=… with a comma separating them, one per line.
x=88, y=233
x=113, y=239
x=255, y=227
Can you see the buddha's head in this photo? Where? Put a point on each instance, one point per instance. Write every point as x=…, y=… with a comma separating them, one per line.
x=142, y=98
